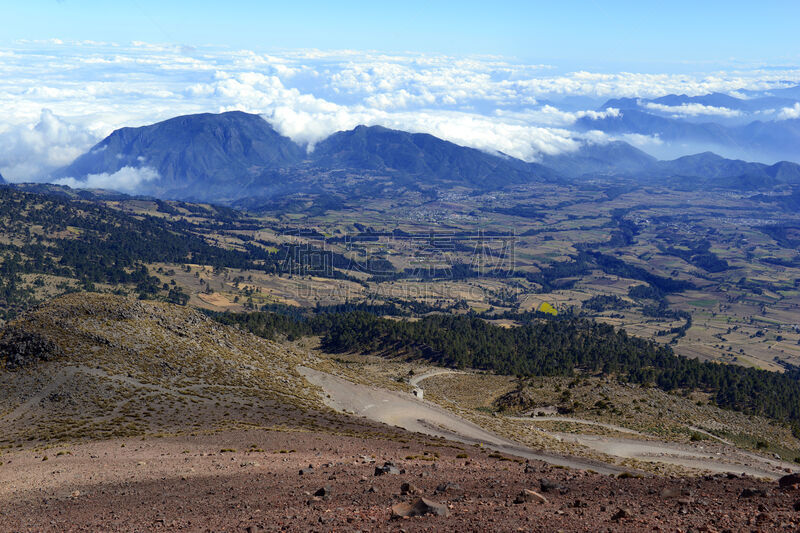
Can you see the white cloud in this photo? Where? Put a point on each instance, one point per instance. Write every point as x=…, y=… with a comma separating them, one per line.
x=126, y=179
x=489, y=103
x=790, y=112
x=27, y=153
x=693, y=110
x=642, y=141
x=519, y=140
x=549, y=115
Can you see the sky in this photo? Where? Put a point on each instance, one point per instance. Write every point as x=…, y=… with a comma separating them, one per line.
x=589, y=33
x=505, y=76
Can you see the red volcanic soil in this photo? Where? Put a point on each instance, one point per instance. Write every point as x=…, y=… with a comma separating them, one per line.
x=237, y=480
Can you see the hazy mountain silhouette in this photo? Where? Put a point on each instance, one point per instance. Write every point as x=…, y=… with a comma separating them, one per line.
x=237, y=157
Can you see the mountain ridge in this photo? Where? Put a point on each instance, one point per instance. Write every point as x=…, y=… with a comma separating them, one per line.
x=775, y=139
x=714, y=99
x=192, y=152
x=380, y=148
x=236, y=157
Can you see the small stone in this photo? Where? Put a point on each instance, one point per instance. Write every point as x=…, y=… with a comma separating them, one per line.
x=324, y=492
x=408, y=488
x=621, y=513
x=749, y=492
x=447, y=487
x=547, y=485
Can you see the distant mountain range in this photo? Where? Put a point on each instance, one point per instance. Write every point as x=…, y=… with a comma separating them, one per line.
x=752, y=127
x=235, y=155
x=612, y=159
x=704, y=170
x=715, y=100
x=238, y=158
x=2, y=180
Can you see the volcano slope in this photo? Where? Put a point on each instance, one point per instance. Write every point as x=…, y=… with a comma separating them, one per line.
x=121, y=415
x=97, y=366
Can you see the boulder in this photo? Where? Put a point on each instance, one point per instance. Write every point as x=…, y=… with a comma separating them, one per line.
x=20, y=348
x=387, y=468
x=448, y=487
x=790, y=481
x=419, y=507
x=547, y=486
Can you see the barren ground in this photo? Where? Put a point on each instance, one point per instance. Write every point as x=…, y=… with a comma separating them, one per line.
x=198, y=483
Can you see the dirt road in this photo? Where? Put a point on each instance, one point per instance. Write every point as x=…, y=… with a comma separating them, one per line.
x=406, y=411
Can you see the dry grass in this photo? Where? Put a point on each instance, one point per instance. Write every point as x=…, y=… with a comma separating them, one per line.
x=130, y=367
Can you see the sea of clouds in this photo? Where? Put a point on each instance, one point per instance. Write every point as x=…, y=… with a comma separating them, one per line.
x=60, y=98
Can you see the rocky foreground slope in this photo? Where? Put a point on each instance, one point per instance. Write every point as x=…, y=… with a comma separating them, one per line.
x=122, y=415
x=251, y=481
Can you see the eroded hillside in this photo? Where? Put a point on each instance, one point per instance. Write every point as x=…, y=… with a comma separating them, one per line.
x=91, y=365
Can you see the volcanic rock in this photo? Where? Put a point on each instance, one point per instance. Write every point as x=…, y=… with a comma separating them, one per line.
x=790, y=481
x=419, y=507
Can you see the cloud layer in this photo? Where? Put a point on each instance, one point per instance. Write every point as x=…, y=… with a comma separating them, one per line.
x=694, y=110
x=788, y=113
x=27, y=151
x=126, y=179
x=61, y=97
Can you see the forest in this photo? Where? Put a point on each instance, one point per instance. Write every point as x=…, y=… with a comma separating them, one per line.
x=92, y=244
x=563, y=346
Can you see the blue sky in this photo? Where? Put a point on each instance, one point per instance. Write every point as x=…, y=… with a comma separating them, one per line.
x=589, y=34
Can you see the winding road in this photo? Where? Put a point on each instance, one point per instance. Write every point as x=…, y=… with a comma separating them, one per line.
x=408, y=412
